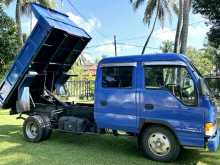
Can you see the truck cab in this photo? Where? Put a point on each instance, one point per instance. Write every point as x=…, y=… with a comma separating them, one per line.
x=153, y=93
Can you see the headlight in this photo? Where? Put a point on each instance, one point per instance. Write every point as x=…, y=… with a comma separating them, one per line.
x=210, y=129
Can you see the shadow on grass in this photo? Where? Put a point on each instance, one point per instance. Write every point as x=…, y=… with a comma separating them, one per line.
x=63, y=148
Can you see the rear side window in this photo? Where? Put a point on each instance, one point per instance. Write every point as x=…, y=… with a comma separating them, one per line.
x=117, y=76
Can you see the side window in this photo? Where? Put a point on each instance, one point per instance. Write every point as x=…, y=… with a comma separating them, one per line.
x=117, y=77
x=173, y=78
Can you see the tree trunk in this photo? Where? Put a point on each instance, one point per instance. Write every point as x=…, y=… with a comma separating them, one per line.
x=151, y=32
x=31, y=21
x=184, y=32
x=18, y=20
x=179, y=28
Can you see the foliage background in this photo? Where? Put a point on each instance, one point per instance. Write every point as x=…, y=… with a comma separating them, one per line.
x=202, y=59
x=211, y=10
x=9, y=42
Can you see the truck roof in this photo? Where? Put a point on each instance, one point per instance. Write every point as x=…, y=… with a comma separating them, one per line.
x=147, y=57
x=51, y=49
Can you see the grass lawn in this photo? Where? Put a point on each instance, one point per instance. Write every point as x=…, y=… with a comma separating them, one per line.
x=80, y=149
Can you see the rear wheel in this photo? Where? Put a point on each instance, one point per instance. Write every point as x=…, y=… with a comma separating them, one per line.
x=47, y=127
x=159, y=144
x=33, y=128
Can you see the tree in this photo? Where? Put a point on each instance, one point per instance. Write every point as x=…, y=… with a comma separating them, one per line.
x=23, y=7
x=180, y=44
x=167, y=46
x=159, y=8
x=201, y=58
x=9, y=41
x=211, y=10
x=179, y=27
x=184, y=32
x=79, y=67
x=214, y=35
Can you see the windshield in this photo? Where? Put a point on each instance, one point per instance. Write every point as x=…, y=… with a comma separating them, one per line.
x=196, y=70
x=204, y=86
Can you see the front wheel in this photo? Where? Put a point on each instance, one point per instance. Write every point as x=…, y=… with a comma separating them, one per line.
x=159, y=144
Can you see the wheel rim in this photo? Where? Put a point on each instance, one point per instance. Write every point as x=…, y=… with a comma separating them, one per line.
x=31, y=130
x=159, y=144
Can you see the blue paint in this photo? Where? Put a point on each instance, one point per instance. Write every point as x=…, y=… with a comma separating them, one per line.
x=125, y=109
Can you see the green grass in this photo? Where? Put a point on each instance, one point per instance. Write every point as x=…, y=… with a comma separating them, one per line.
x=80, y=149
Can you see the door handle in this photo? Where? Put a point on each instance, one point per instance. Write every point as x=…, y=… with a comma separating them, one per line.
x=103, y=102
x=148, y=106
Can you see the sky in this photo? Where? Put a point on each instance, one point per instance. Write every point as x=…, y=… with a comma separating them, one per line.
x=103, y=19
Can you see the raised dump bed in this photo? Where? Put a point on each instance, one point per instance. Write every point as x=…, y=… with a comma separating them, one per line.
x=53, y=46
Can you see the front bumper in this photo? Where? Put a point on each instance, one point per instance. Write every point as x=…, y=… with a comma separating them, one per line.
x=213, y=142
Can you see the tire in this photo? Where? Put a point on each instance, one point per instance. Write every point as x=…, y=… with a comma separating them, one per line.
x=47, y=127
x=159, y=144
x=33, y=129
x=47, y=133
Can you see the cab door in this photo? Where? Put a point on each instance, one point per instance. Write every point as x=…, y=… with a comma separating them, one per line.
x=115, y=101
x=170, y=98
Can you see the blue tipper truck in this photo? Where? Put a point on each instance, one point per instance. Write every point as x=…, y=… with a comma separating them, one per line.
x=162, y=100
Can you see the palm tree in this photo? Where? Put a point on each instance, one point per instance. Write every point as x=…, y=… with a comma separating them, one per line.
x=184, y=32
x=182, y=26
x=179, y=27
x=167, y=46
x=159, y=8
x=23, y=7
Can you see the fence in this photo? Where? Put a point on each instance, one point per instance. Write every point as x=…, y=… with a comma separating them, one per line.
x=82, y=89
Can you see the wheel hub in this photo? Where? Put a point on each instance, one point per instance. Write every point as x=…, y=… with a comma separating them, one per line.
x=159, y=144
x=31, y=130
